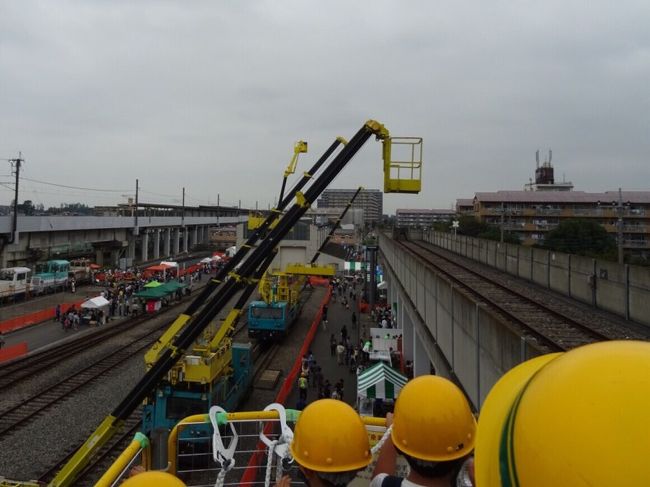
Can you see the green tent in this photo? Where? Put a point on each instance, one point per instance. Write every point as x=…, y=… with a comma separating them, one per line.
x=152, y=293
x=152, y=284
x=380, y=381
x=173, y=286
x=160, y=291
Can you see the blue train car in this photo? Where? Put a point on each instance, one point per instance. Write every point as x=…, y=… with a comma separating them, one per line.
x=270, y=320
x=50, y=275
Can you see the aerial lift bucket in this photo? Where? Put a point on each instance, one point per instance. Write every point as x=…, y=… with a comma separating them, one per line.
x=402, y=164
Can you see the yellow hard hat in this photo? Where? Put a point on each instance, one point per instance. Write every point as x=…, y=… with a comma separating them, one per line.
x=330, y=437
x=433, y=420
x=574, y=419
x=153, y=478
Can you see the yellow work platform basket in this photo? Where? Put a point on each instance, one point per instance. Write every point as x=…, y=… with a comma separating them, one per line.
x=402, y=164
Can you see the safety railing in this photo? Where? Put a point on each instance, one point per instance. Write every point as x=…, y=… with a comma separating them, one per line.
x=129, y=458
x=242, y=448
x=402, y=165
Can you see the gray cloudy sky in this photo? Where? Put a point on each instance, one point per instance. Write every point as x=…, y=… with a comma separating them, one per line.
x=212, y=95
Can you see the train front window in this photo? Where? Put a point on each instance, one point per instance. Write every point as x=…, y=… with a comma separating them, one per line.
x=6, y=276
x=267, y=313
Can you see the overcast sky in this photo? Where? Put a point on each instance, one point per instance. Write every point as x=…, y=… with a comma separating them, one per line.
x=212, y=95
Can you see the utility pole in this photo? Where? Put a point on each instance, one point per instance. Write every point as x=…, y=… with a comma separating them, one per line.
x=16, y=163
x=503, y=215
x=136, y=230
x=619, y=226
x=183, y=210
x=218, y=207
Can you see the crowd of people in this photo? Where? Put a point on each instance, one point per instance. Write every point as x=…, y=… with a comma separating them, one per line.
x=73, y=317
x=121, y=296
x=343, y=348
x=312, y=377
x=383, y=317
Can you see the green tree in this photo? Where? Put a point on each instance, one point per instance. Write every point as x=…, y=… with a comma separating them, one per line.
x=470, y=226
x=582, y=237
x=494, y=233
x=442, y=226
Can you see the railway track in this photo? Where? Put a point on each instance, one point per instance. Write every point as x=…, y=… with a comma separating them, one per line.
x=11, y=374
x=11, y=419
x=14, y=418
x=104, y=458
x=29, y=365
x=550, y=327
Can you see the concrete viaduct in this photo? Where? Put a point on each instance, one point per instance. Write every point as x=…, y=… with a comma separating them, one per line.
x=445, y=328
x=113, y=239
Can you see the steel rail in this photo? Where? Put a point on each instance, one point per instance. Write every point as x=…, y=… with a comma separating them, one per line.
x=550, y=327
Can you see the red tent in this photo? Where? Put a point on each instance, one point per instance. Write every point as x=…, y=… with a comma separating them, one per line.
x=159, y=269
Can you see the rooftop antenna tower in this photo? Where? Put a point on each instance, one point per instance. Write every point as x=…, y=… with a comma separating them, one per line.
x=544, y=174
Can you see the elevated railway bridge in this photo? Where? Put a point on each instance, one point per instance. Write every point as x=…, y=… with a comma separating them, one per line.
x=135, y=233
x=472, y=309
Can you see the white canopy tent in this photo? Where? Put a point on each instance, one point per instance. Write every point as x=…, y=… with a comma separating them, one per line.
x=97, y=302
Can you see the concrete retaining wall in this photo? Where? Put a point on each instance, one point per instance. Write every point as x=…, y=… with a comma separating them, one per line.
x=620, y=289
x=461, y=338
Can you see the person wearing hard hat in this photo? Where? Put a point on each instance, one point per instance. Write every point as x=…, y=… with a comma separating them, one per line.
x=434, y=429
x=578, y=418
x=153, y=478
x=330, y=444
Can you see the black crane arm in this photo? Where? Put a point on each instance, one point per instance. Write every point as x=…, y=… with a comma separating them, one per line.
x=227, y=290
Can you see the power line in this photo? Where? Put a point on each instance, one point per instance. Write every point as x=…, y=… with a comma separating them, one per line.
x=75, y=187
x=159, y=194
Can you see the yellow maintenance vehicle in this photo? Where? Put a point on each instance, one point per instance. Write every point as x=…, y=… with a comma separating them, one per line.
x=272, y=316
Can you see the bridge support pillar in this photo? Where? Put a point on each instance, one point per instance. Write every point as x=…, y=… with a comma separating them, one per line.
x=156, y=243
x=195, y=234
x=177, y=241
x=167, y=240
x=115, y=258
x=99, y=257
x=145, y=246
x=186, y=237
x=130, y=250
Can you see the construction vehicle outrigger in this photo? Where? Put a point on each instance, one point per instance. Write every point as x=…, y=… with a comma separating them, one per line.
x=217, y=360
